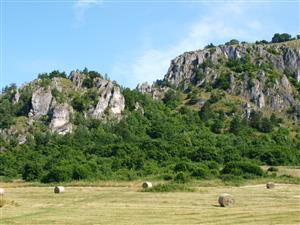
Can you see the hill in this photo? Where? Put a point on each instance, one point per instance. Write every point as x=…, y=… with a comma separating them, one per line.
x=218, y=112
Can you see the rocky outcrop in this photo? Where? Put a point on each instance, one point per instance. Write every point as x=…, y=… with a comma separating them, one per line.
x=75, y=77
x=55, y=101
x=117, y=102
x=144, y=88
x=60, y=121
x=111, y=102
x=156, y=91
x=264, y=88
x=41, y=100
x=16, y=97
x=283, y=58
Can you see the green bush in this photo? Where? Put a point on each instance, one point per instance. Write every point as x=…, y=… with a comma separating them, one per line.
x=171, y=98
x=59, y=173
x=281, y=37
x=272, y=169
x=243, y=169
x=81, y=172
x=181, y=177
x=232, y=42
x=32, y=171
x=169, y=187
x=201, y=172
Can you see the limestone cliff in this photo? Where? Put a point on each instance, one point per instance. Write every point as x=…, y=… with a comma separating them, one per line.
x=265, y=75
x=52, y=101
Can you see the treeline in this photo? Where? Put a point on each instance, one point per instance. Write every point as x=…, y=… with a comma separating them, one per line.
x=277, y=38
x=156, y=141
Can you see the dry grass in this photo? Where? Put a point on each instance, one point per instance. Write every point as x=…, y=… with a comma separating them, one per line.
x=128, y=205
x=293, y=171
x=293, y=43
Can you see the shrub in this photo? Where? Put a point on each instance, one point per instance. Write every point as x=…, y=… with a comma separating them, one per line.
x=272, y=169
x=32, y=171
x=223, y=82
x=167, y=176
x=170, y=187
x=281, y=37
x=59, y=174
x=201, y=172
x=79, y=104
x=58, y=95
x=81, y=172
x=88, y=82
x=181, y=177
x=243, y=169
x=232, y=42
x=171, y=98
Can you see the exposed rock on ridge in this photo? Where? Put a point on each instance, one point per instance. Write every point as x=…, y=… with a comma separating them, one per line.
x=268, y=85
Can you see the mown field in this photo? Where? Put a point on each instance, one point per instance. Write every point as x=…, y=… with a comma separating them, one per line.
x=125, y=204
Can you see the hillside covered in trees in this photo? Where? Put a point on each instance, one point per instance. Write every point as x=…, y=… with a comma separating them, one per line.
x=220, y=112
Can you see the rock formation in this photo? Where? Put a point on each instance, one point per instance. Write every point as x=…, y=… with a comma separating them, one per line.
x=268, y=85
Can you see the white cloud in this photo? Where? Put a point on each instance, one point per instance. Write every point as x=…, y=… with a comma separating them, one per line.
x=220, y=23
x=82, y=6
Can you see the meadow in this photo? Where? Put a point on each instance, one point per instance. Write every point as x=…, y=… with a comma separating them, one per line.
x=126, y=203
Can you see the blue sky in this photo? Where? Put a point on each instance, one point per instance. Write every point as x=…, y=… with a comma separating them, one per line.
x=131, y=41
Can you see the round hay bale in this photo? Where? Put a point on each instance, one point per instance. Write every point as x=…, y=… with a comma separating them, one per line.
x=147, y=184
x=2, y=191
x=59, y=189
x=270, y=185
x=226, y=200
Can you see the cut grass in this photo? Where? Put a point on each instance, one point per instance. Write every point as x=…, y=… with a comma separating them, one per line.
x=128, y=205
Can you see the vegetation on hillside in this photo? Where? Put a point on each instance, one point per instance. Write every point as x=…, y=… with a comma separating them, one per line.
x=162, y=142
x=166, y=139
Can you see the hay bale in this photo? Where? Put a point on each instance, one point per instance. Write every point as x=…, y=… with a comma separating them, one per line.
x=2, y=191
x=226, y=200
x=270, y=185
x=59, y=189
x=147, y=184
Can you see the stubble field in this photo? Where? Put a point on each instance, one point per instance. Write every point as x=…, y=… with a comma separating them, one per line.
x=125, y=203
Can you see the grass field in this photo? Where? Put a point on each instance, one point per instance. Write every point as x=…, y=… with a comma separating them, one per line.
x=124, y=203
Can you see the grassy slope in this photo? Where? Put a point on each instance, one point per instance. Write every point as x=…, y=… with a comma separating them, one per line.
x=293, y=44
x=127, y=205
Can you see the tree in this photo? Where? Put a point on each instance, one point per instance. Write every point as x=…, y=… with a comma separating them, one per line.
x=236, y=125
x=171, y=98
x=266, y=125
x=56, y=73
x=223, y=82
x=255, y=119
x=193, y=98
x=217, y=126
x=277, y=38
x=79, y=104
x=232, y=42
x=32, y=171
x=262, y=42
x=211, y=45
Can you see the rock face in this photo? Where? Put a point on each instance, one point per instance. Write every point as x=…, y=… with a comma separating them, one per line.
x=267, y=86
x=55, y=101
x=60, y=119
x=16, y=97
x=41, y=100
x=75, y=77
x=117, y=102
x=111, y=100
x=154, y=90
